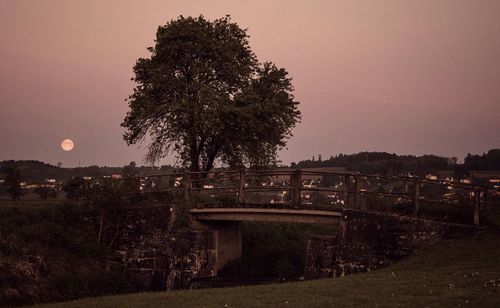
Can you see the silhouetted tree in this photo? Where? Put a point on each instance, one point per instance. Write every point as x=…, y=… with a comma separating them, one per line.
x=45, y=192
x=130, y=169
x=493, y=159
x=106, y=197
x=487, y=161
x=203, y=95
x=75, y=188
x=13, y=182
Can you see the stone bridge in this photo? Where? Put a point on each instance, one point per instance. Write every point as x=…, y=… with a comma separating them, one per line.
x=388, y=209
x=227, y=228
x=266, y=214
x=221, y=200
x=307, y=195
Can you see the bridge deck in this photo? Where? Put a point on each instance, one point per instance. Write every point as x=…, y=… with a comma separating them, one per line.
x=272, y=215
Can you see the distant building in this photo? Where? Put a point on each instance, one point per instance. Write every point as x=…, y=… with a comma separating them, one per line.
x=310, y=183
x=431, y=177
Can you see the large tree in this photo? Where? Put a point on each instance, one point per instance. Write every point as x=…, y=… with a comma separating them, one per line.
x=203, y=95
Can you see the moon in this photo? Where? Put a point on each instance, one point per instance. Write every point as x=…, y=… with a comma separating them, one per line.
x=67, y=145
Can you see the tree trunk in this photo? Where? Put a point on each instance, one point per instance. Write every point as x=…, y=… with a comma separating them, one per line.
x=114, y=237
x=101, y=222
x=211, y=159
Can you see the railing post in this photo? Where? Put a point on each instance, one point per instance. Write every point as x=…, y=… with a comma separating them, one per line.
x=347, y=180
x=241, y=188
x=357, y=191
x=477, y=202
x=297, y=187
x=87, y=192
x=187, y=189
x=485, y=195
x=416, y=197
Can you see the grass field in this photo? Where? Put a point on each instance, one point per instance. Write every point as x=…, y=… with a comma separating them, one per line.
x=458, y=273
x=30, y=199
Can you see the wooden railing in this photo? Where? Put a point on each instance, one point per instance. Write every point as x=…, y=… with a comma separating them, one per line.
x=348, y=189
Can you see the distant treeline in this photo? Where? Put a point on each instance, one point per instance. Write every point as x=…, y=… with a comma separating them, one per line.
x=487, y=161
x=33, y=170
x=37, y=171
x=364, y=162
x=392, y=164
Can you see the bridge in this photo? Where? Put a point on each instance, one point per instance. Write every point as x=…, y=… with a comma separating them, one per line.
x=221, y=199
x=270, y=215
x=297, y=195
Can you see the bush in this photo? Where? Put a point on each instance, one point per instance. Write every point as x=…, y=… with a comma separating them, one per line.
x=45, y=192
x=58, y=244
x=45, y=233
x=226, y=200
x=201, y=198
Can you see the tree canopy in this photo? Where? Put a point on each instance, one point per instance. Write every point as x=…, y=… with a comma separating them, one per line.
x=203, y=96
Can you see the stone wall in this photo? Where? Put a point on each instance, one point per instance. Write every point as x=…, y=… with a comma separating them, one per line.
x=192, y=256
x=141, y=245
x=157, y=256
x=39, y=263
x=370, y=240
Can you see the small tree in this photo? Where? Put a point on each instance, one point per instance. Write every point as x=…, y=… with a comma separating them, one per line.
x=13, y=183
x=75, y=188
x=45, y=192
x=106, y=197
x=129, y=170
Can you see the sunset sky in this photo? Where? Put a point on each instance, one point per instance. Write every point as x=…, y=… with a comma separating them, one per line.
x=410, y=77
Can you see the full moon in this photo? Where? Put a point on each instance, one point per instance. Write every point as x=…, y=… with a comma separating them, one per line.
x=67, y=145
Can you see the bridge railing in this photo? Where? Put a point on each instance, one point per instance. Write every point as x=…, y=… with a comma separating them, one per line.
x=303, y=189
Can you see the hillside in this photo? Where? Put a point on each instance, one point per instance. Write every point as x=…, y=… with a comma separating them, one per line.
x=37, y=171
x=452, y=273
x=33, y=170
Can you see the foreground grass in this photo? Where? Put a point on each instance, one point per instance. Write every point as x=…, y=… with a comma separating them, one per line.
x=457, y=273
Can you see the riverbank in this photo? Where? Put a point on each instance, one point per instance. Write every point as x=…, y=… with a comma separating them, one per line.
x=454, y=273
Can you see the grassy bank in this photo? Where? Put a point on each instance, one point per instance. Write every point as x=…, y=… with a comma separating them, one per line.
x=458, y=273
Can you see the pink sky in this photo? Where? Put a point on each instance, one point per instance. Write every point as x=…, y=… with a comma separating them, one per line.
x=411, y=77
